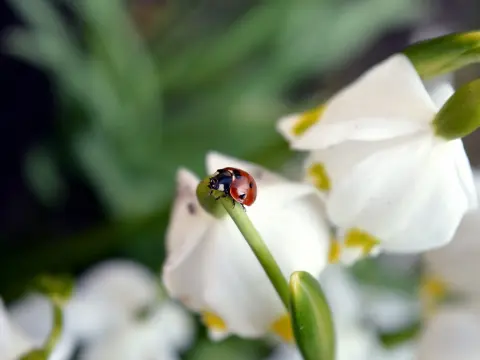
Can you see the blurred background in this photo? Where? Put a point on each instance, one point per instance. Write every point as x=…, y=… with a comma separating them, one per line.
x=101, y=102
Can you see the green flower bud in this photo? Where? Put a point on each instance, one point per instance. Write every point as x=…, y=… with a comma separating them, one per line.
x=460, y=116
x=207, y=199
x=444, y=54
x=311, y=318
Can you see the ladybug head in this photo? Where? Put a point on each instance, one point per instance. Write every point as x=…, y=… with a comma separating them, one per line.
x=214, y=183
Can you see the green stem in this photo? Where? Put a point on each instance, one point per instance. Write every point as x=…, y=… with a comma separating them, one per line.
x=259, y=248
x=57, y=328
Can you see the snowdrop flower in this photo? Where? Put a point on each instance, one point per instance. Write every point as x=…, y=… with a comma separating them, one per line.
x=393, y=184
x=26, y=326
x=456, y=266
x=354, y=339
x=108, y=296
x=166, y=332
x=211, y=268
x=118, y=312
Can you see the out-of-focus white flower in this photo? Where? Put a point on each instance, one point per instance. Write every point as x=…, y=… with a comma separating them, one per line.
x=166, y=332
x=27, y=325
x=354, y=339
x=392, y=183
x=211, y=268
x=456, y=266
x=453, y=333
x=109, y=296
x=118, y=312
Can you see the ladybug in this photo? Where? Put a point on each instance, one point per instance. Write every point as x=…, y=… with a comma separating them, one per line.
x=236, y=183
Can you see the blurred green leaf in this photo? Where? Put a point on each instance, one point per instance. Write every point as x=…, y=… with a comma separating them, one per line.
x=311, y=318
x=43, y=176
x=369, y=271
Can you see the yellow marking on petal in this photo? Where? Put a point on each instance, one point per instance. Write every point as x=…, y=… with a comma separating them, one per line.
x=334, y=252
x=356, y=238
x=283, y=328
x=319, y=176
x=433, y=290
x=306, y=120
x=213, y=321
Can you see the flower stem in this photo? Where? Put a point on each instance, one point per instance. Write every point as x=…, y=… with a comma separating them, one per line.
x=57, y=328
x=259, y=248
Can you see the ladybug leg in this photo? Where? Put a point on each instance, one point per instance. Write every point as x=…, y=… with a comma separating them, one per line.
x=243, y=207
x=221, y=196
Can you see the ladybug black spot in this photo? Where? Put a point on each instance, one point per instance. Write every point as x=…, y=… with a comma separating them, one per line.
x=191, y=208
x=250, y=185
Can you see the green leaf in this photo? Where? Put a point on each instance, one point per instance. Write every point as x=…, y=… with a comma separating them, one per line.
x=444, y=54
x=311, y=318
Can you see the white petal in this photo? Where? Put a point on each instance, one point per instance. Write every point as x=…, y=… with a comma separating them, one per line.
x=465, y=174
x=369, y=196
x=13, y=341
x=342, y=293
x=186, y=210
x=109, y=294
x=285, y=125
x=183, y=273
x=451, y=334
x=457, y=263
x=237, y=287
x=440, y=204
x=388, y=101
x=186, y=233
x=175, y=325
x=162, y=335
x=261, y=175
x=34, y=315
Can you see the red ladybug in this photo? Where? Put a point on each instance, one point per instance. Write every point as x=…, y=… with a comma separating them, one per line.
x=236, y=183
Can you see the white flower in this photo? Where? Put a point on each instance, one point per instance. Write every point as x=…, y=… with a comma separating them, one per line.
x=354, y=339
x=455, y=266
x=391, y=182
x=211, y=268
x=106, y=308
x=452, y=333
x=166, y=332
x=27, y=325
x=108, y=296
